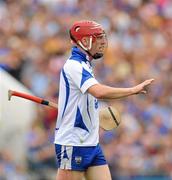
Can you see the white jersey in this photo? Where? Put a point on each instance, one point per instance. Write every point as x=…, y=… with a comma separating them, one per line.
x=78, y=120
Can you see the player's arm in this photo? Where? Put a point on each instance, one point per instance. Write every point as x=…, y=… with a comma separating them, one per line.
x=101, y=91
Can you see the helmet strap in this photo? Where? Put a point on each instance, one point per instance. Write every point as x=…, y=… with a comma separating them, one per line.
x=90, y=44
x=96, y=55
x=82, y=46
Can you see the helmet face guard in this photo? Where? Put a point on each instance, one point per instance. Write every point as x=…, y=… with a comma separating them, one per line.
x=89, y=29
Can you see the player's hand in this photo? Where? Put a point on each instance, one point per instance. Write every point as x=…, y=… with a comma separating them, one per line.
x=142, y=87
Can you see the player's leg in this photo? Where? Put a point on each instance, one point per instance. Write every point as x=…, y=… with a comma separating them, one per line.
x=63, y=174
x=98, y=172
x=98, y=169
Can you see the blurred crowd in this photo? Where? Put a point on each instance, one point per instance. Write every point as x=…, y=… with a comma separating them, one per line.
x=34, y=44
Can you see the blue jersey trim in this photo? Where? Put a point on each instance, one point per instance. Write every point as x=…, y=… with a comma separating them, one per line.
x=67, y=90
x=78, y=55
x=85, y=76
x=88, y=108
x=4, y=67
x=79, y=121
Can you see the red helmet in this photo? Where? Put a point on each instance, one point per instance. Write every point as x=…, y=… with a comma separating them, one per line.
x=85, y=28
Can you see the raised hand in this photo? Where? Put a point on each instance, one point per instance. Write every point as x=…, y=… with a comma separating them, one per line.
x=142, y=87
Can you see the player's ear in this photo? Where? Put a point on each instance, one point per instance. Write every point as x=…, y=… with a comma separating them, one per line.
x=85, y=41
